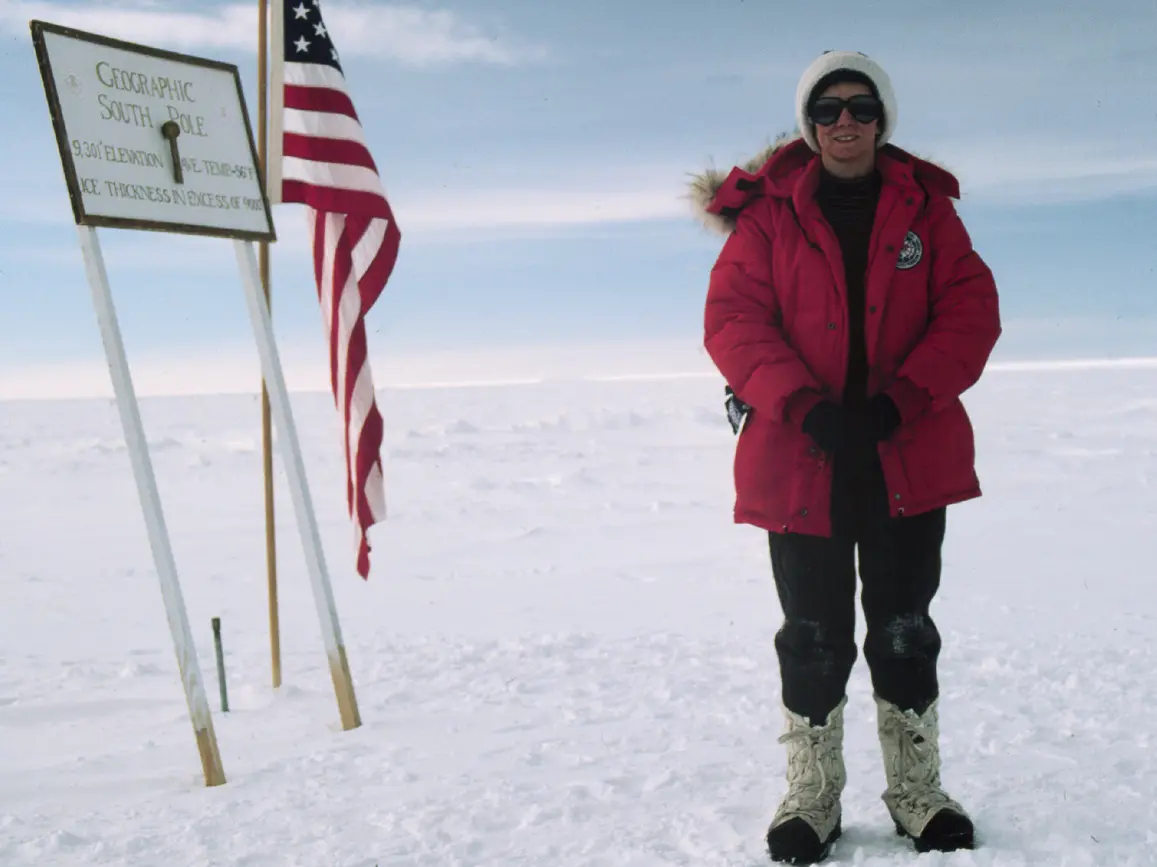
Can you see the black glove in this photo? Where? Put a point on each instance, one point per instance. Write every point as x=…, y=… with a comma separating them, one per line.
x=737, y=410
x=826, y=424
x=881, y=418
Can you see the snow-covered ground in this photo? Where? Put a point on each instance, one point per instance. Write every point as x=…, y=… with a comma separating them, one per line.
x=564, y=653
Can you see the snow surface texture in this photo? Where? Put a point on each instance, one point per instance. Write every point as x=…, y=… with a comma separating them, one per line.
x=564, y=652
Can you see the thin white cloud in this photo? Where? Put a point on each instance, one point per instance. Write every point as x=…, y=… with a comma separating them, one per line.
x=1008, y=178
x=500, y=208
x=1038, y=172
x=991, y=171
x=124, y=250
x=406, y=34
x=419, y=36
x=423, y=217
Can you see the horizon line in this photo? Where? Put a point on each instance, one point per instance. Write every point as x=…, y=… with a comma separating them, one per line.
x=1024, y=366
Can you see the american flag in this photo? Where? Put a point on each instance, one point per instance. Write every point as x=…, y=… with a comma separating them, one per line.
x=318, y=157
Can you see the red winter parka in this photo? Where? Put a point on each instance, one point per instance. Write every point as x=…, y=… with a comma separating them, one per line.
x=776, y=327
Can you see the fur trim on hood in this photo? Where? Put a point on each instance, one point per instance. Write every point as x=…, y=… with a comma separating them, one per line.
x=705, y=186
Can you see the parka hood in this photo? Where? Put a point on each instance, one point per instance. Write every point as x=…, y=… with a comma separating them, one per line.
x=717, y=197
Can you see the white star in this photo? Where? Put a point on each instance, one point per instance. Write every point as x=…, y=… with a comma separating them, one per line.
x=319, y=29
x=302, y=44
x=301, y=11
x=335, y=60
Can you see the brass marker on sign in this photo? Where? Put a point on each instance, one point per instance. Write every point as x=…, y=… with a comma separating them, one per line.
x=170, y=130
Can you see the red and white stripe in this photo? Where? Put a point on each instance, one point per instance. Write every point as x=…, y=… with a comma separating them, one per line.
x=319, y=158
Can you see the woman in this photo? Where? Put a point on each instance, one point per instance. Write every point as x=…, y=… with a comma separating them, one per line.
x=848, y=311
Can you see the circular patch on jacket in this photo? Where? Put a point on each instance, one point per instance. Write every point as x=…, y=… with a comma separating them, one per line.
x=911, y=253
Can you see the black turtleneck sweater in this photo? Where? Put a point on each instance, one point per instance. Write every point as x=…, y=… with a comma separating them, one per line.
x=849, y=206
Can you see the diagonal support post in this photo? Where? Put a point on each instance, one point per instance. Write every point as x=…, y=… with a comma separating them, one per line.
x=190, y=670
x=298, y=485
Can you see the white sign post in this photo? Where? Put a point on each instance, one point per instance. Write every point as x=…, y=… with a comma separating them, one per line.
x=158, y=141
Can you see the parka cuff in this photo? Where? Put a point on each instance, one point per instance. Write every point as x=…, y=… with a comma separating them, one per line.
x=799, y=404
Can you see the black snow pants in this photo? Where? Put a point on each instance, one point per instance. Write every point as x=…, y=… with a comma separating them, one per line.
x=815, y=577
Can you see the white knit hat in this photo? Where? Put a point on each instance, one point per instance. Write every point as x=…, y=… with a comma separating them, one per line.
x=832, y=61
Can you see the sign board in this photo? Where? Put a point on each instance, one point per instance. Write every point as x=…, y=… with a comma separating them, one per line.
x=154, y=140
x=151, y=139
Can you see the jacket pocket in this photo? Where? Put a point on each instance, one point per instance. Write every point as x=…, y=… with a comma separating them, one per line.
x=772, y=462
x=937, y=454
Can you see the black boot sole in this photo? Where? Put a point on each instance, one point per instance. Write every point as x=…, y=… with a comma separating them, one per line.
x=795, y=842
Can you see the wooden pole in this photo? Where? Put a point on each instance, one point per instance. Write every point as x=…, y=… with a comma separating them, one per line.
x=220, y=651
x=266, y=425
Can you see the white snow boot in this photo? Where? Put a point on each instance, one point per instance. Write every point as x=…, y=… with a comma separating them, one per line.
x=918, y=804
x=807, y=821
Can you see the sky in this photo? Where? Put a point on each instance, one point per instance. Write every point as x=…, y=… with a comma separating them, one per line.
x=536, y=156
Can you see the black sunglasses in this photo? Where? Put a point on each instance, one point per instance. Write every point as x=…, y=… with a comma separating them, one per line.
x=864, y=108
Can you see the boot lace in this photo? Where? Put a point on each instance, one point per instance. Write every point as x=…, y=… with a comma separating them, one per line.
x=915, y=771
x=813, y=778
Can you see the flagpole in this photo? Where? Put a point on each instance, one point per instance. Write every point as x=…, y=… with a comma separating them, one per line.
x=266, y=431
